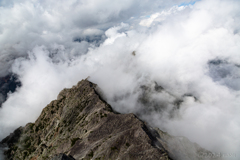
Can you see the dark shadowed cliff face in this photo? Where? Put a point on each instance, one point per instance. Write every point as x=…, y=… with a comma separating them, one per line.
x=80, y=125
x=8, y=84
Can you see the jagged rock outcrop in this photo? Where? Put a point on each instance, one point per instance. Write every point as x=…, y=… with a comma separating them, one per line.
x=81, y=125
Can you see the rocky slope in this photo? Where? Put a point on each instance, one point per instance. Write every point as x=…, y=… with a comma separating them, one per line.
x=81, y=125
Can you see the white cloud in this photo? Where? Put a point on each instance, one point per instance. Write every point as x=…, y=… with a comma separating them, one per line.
x=159, y=17
x=173, y=47
x=25, y=24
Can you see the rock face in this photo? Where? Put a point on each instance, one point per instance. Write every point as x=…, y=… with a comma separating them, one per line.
x=81, y=125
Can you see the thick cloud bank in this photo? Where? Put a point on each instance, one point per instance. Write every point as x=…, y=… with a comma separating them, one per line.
x=176, y=64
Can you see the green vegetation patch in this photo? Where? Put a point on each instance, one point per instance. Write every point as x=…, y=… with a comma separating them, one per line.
x=74, y=140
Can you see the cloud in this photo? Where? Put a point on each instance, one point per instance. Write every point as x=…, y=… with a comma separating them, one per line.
x=176, y=48
x=31, y=23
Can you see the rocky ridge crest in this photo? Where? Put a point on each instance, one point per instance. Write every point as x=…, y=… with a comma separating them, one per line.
x=81, y=125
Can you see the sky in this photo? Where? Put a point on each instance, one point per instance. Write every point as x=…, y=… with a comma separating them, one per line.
x=128, y=47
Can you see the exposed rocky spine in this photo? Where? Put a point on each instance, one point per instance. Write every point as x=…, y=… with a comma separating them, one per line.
x=82, y=125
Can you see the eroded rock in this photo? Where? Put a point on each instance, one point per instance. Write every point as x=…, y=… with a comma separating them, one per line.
x=81, y=125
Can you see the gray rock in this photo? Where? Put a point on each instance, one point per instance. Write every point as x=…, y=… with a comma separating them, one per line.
x=82, y=125
x=13, y=137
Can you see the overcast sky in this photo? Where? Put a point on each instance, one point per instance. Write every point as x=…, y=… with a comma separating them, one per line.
x=190, y=48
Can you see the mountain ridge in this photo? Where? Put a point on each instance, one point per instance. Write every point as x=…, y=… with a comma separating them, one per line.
x=81, y=125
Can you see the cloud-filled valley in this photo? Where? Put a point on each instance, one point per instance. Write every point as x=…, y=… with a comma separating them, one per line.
x=175, y=64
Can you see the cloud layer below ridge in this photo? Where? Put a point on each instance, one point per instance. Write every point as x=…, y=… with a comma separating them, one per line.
x=129, y=49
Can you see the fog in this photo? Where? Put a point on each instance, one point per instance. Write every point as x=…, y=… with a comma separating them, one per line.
x=175, y=64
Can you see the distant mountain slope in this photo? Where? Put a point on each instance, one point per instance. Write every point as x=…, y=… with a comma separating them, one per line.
x=81, y=125
x=8, y=84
